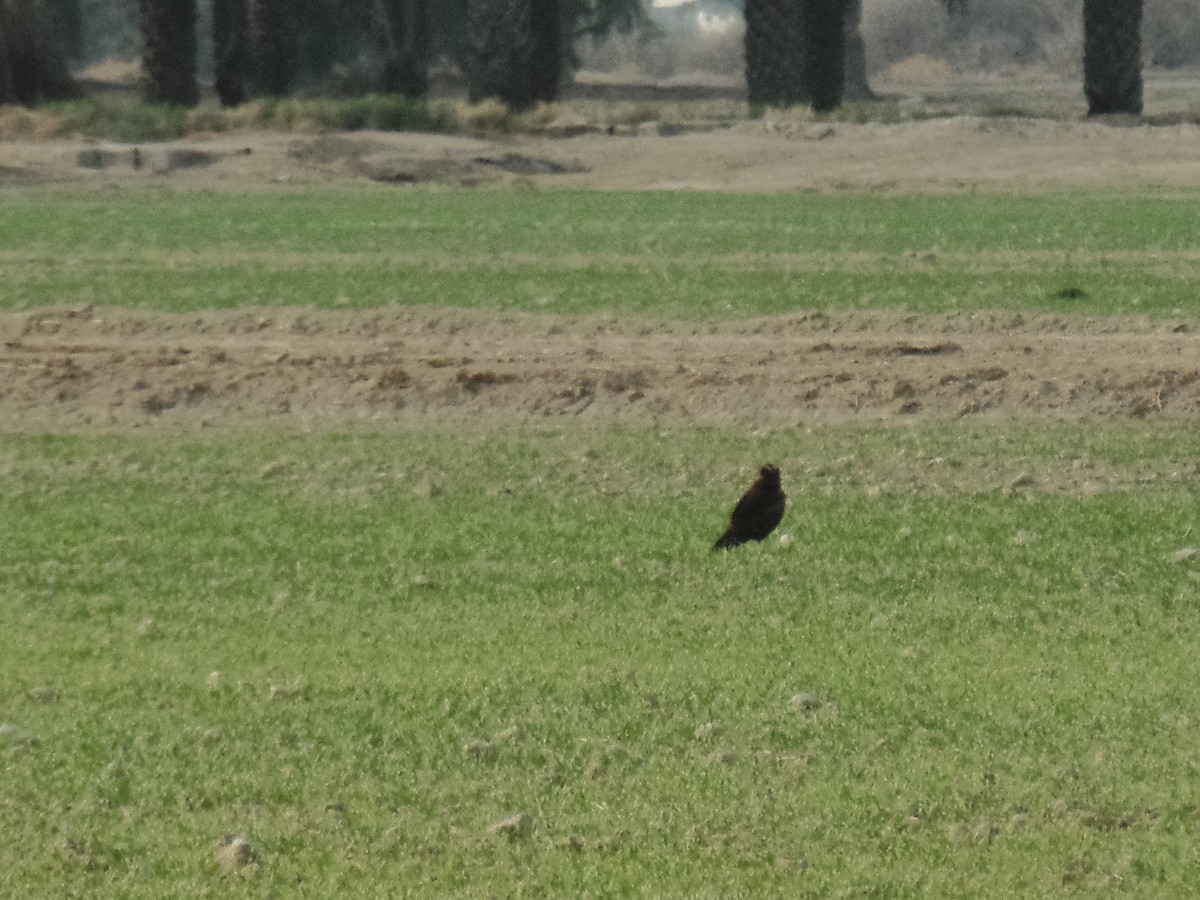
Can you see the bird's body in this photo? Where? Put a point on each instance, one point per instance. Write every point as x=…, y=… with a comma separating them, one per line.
x=758, y=513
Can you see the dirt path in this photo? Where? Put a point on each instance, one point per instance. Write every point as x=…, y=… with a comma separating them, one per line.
x=114, y=369
x=940, y=155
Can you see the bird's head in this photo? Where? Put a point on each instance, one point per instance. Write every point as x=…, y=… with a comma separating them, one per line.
x=769, y=473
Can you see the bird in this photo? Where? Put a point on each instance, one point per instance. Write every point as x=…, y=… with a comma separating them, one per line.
x=758, y=513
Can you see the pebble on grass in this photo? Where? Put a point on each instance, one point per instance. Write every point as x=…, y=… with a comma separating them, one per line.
x=804, y=702
x=707, y=731
x=236, y=854
x=1184, y=554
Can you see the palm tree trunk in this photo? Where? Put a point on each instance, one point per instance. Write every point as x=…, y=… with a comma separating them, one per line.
x=230, y=50
x=1112, y=56
x=503, y=48
x=775, y=53
x=825, y=32
x=169, y=52
x=8, y=85
x=270, y=25
x=407, y=45
x=547, y=62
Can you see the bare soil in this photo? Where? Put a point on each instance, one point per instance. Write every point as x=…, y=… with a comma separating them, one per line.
x=93, y=367
x=772, y=155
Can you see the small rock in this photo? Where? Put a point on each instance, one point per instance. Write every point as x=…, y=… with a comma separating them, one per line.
x=1184, y=554
x=1021, y=538
x=41, y=695
x=707, y=731
x=235, y=853
x=426, y=489
x=803, y=702
x=213, y=680
x=514, y=827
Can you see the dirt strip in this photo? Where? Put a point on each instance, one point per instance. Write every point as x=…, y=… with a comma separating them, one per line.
x=99, y=367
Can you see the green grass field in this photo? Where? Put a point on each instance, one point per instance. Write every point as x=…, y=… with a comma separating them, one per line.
x=970, y=672
x=676, y=255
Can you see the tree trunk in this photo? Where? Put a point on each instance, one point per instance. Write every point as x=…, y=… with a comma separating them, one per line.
x=547, y=63
x=169, y=52
x=8, y=85
x=230, y=50
x=270, y=25
x=1112, y=56
x=406, y=44
x=36, y=42
x=825, y=33
x=857, y=86
x=775, y=53
x=514, y=51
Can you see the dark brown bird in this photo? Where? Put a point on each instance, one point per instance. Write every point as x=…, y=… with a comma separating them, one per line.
x=758, y=513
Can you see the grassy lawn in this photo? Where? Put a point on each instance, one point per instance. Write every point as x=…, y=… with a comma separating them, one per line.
x=671, y=255
x=419, y=634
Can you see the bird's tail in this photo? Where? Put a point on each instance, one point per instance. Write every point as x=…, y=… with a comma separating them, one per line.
x=727, y=540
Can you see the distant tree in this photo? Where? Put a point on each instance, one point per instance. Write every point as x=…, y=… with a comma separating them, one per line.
x=169, y=52
x=8, y=79
x=402, y=31
x=514, y=51
x=546, y=66
x=37, y=40
x=775, y=53
x=271, y=25
x=597, y=19
x=593, y=19
x=230, y=50
x=825, y=37
x=1112, y=56
x=499, y=49
x=796, y=52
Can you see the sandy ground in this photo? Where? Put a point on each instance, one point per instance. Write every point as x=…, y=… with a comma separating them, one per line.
x=114, y=369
